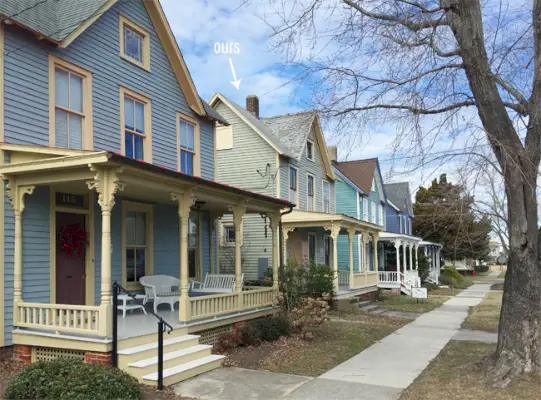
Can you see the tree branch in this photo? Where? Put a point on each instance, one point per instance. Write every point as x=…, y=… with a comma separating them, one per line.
x=412, y=26
x=430, y=43
x=512, y=91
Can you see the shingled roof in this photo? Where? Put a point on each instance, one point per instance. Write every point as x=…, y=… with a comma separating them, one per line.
x=399, y=195
x=360, y=172
x=54, y=19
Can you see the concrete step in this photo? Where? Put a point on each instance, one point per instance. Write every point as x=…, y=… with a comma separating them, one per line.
x=170, y=359
x=364, y=303
x=369, y=307
x=186, y=370
x=150, y=337
x=144, y=351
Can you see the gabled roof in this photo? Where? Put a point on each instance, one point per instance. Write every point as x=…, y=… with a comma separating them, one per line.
x=399, y=195
x=360, y=172
x=287, y=133
x=62, y=21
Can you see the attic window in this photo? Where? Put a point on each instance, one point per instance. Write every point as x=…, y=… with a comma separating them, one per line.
x=310, y=150
x=134, y=43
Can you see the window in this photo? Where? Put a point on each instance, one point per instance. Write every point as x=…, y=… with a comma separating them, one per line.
x=311, y=248
x=310, y=202
x=400, y=222
x=293, y=198
x=136, y=139
x=381, y=215
x=228, y=235
x=326, y=197
x=137, y=239
x=365, y=209
x=310, y=150
x=134, y=43
x=70, y=110
x=188, y=145
x=373, y=212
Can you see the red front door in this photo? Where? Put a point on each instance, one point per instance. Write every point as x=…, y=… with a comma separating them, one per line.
x=70, y=269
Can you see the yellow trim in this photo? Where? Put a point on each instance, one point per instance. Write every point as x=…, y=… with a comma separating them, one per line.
x=147, y=142
x=228, y=321
x=123, y=21
x=323, y=149
x=89, y=257
x=170, y=45
x=2, y=85
x=86, y=23
x=199, y=253
x=88, y=133
x=30, y=148
x=48, y=340
x=314, y=188
x=278, y=190
x=2, y=244
x=218, y=96
x=289, y=185
x=197, y=143
x=323, y=182
x=149, y=255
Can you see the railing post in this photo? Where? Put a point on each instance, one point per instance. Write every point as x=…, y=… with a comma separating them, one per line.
x=161, y=328
x=115, y=326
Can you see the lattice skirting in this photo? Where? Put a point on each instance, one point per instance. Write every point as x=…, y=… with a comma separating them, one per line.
x=48, y=354
x=211, y=336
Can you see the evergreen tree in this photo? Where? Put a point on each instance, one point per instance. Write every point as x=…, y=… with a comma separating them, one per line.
x=444, y=214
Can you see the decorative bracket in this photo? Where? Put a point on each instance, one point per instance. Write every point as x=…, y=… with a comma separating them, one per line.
x=185, y=202
x=351, y=233
x=16, y=195
x=334, y=229
x=238, y=211
x=107, y=184
x=397, y=243
x=275, y=221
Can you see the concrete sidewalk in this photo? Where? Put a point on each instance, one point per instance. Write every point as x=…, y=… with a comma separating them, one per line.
x=399, y=358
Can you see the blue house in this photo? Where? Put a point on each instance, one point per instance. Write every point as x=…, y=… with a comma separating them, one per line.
x=107, y=155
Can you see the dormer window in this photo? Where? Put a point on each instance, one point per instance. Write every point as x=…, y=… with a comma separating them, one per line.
x=310, y=150
x=134, y=43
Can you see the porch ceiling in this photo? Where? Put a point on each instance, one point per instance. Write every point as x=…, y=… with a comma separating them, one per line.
x=311, y=219
x=142, y=180
x=390, y=236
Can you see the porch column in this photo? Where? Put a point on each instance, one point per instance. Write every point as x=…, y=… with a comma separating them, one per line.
x=397, y=247
x=285, y=234
x=366, y=237
x=417, y=256
x=351, y=235
x=411, y=256
x=275, y=225
x=238, y=212
x=335, y=231
x=405, y=246
x=213, y=254
x=375, y=238
x=16, y=197
x=185, y=201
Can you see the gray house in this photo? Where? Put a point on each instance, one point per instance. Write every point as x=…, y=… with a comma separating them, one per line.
x=285, y=157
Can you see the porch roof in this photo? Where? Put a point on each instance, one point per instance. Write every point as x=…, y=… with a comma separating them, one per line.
x=426, y=243
x=61, y=166
x=391, y=236
x=310, y=219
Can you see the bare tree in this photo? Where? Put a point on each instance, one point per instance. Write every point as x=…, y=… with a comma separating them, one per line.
x=494, y=205
x=452, y=69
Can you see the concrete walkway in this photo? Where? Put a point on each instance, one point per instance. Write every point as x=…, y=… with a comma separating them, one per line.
x=380, y=372
x=399, y=358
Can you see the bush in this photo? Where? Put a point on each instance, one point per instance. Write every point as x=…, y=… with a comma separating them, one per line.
x=481, y=268
x=431, y=286
x=302, y=281
x=424, y=266
x=249, y=335
x=452, y=273
x=227, y=341
x=271, y=328
x=319, y=280
x=310, y=312
x=72, y=379
x=447, y=280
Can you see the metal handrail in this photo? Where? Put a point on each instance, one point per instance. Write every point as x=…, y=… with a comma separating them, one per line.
x=162, y=327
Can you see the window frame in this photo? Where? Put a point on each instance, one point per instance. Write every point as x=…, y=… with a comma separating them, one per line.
x=308, y=176
x=373, y=215
x=87, y=124
x=147, y=141
x=400, y=222
x=228, y=224
x=297, y=184
x=365, y=209
x=196, y=145
x=311, y=143
x=123, y=21
x=323, y=183
x=149, y=251
x=314, y=235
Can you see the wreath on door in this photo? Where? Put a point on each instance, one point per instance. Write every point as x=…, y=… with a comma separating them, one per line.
x=73, y=240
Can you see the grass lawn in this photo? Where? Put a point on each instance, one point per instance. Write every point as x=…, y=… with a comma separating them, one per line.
x=397, y=302
x=486, y=315
x=333, y=343
x=444, y=292
x=456, y=373
x=502, y=275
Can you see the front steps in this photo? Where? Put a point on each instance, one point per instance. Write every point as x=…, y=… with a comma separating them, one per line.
x=183, y=357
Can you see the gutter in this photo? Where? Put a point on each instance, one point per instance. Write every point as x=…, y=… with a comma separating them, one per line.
x=281, y=240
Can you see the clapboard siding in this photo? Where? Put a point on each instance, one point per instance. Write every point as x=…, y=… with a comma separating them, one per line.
x=250, y=153
x=346, y=203
x=166, y=241
x=97, y=49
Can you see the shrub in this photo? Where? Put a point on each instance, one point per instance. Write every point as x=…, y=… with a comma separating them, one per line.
x=301, y=281
x=431, y=286
x=310, y=312
x=271, y=328
x=249, y=335
x=227, y=341
x=481, y=268
x=72, y=379
x=446, y=280
x=453, y=273
x=319, y=281
x=424, y=266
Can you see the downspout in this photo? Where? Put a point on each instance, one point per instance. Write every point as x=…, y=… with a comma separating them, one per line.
x=281, y=233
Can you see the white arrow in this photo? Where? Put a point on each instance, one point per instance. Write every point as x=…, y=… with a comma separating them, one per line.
x=236, y=81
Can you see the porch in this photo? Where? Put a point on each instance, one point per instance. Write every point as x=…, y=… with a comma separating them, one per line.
x=329, y=227
x=163, y=224
x=398, y=264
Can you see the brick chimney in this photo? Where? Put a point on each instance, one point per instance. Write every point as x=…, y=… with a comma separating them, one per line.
x=252, y=104
x=333, y=153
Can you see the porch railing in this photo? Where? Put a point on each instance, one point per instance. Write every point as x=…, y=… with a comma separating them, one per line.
x=388, y=276
x=59, y=317
x=343, y=277
x=258, y=298
x=209, y=306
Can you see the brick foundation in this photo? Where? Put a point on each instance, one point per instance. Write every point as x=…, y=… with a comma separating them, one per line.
x=396, y=291
x=368, y=296
x=22, y=353
x=102, y=358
